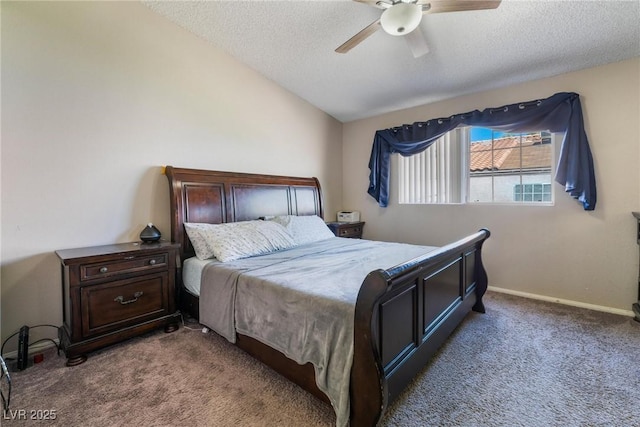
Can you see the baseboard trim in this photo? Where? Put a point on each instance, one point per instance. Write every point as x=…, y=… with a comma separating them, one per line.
x=33, y=349
x=595, y=307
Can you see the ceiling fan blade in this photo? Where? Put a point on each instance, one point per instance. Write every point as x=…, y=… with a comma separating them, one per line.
x=439, y=6
x=417, y=43
x=358, y=38
x=380, y=4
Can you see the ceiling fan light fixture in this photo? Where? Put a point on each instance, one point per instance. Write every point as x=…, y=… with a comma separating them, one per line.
x=401, y=18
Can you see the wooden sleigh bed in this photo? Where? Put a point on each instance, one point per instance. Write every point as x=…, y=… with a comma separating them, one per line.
x=402, y=314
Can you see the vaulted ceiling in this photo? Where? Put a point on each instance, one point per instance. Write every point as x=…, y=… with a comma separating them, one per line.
x=293, y=43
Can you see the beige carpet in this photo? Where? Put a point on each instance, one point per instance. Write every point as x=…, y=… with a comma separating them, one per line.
x=524, y=363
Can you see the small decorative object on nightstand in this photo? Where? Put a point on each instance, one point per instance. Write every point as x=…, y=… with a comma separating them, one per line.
x=114, y=292
x=150, y=234
x=347, y=229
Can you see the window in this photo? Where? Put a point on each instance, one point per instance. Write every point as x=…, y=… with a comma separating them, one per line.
x=532, y=193
x=479, y=165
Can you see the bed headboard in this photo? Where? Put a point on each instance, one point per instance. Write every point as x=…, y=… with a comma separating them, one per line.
x=216, y=197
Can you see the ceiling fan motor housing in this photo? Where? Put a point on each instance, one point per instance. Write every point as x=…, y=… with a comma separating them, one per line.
x=401, y=18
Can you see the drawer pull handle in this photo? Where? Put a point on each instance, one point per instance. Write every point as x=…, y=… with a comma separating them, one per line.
x=103, y=270
x=121, y=300
x=152, y=262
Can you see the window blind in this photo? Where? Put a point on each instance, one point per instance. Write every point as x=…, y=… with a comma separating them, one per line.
x=434, y=175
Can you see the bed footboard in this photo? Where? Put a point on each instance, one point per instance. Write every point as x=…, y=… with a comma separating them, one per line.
x=404, y=314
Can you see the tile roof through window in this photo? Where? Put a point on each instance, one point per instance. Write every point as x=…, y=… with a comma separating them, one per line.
x=508, y=152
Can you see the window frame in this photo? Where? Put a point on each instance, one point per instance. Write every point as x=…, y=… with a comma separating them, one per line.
x=466, y=175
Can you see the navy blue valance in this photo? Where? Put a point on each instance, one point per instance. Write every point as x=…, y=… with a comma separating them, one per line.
x=561, y=112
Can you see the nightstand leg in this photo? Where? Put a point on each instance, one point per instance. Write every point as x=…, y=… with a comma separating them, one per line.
x=171, y=327
x=76, y=360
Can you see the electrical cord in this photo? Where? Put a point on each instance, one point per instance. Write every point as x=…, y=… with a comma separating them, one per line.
x=48, y=339
x=184, y=324
x=5, y=341
x=31, y=327
x=5, y=373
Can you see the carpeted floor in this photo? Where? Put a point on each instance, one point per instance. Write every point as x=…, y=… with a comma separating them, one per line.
x=523, y=363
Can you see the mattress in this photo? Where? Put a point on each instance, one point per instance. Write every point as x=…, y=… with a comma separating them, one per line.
x=192, y=273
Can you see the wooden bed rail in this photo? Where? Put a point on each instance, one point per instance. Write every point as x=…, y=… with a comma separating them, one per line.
x=404, y=314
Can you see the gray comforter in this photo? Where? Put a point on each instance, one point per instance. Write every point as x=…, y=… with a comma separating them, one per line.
x=301, y=302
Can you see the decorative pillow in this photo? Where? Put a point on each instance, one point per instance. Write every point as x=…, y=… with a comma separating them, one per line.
x=235, y=240
x=304, y=229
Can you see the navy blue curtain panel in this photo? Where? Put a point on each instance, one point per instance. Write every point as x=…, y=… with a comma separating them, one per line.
x=561, y=112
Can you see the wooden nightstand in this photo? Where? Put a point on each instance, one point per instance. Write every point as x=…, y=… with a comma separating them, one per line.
x=347, y=229
x=115, y=292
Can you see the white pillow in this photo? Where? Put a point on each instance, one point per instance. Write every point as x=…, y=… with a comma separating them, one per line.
x=304, y=229
x=235, y=240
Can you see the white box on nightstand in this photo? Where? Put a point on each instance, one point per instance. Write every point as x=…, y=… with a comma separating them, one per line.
x=348, y=216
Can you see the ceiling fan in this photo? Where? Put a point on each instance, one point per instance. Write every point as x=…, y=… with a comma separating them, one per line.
x=402, y=18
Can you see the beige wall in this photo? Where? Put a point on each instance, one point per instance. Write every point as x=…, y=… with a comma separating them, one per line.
x=95, y=98
x=561, y=252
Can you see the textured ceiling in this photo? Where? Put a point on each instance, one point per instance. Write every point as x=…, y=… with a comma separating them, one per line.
x=293, y=43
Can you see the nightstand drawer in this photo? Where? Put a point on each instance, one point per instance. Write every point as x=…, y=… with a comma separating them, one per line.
x=113, y=305
x=127, y=265
x=347, y=229
x=350, y=231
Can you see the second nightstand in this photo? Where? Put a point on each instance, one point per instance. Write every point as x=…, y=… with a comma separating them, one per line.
x=347, y=229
